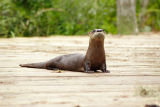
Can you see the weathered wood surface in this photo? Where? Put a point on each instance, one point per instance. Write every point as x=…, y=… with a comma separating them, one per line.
x=134, y=62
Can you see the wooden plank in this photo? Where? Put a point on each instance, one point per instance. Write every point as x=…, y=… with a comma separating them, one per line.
x=132, y=60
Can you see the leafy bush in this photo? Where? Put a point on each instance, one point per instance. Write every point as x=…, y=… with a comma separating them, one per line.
x=65, y=17
x=149, y=17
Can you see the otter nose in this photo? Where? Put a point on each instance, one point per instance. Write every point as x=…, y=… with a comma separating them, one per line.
x=99, y=30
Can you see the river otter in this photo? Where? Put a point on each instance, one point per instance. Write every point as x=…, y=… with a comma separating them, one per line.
x=93, y=60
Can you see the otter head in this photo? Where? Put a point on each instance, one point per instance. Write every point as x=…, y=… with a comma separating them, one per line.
x=97, y=34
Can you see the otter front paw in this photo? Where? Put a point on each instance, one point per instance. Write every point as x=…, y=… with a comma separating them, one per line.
x=106, y=71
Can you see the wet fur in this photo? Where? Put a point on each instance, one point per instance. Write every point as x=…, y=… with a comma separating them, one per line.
x=93, y=60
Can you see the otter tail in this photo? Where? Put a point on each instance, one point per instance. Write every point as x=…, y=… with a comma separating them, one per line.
x=41, y=65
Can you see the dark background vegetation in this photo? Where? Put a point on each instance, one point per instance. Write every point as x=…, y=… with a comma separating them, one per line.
x=69, y=17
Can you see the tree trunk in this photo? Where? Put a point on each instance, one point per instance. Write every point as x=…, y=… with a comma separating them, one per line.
x=126, y=17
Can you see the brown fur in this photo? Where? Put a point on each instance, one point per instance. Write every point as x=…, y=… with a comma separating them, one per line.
x=93, y=60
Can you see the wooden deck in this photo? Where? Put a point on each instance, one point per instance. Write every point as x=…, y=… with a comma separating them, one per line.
x=134, y=62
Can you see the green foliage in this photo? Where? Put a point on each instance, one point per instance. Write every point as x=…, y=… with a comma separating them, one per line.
x=150, y=19
x=65, y=17
x=153, y=15
x=47, y=17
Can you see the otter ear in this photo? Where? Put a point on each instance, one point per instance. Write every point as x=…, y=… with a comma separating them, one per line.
x=104, y=32
x=89, y=33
